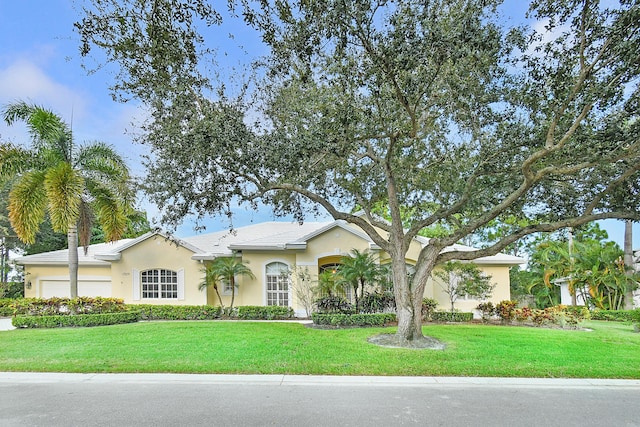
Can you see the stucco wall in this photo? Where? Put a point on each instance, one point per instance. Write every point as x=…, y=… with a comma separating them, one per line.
x=499, y=276
x=157, y=252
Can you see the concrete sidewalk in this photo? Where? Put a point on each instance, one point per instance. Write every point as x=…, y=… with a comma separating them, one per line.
x=316, y=380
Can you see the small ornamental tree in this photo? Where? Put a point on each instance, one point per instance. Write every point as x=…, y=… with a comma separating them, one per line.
x=212, y=278
x=358, y=270
x=303, y=287
x=459, y=279
x=227, y=269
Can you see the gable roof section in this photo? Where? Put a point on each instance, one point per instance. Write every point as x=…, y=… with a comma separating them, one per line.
x=62, y=256
x=116, y=253
x=266, y=236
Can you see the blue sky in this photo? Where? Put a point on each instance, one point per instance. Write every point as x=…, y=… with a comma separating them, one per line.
x=39, y=62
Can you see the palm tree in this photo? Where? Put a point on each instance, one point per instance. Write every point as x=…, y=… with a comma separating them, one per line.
x=73, y=185
x=358, y=270
x=212, y=277
x=227, y=268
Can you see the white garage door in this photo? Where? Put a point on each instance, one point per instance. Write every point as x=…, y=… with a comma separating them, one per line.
x=86, y=288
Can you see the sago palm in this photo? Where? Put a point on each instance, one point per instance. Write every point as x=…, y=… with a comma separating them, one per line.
x=74, y=185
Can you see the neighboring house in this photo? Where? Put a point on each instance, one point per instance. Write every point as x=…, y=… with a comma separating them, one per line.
x=158, y=269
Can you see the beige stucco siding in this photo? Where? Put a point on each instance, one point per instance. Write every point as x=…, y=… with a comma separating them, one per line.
x=499, y=276
x=254, y=291
x=157, y=253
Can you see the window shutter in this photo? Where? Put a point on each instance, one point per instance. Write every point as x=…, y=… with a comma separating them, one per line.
x=135, y=276
x=181, y=284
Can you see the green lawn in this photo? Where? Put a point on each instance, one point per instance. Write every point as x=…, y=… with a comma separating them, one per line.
x=611, y=350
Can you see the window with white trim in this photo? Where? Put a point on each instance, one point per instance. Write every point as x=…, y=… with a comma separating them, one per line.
x=159, y=284
x=277, y=278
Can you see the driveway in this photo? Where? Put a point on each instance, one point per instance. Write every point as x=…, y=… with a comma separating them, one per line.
x=5, y=324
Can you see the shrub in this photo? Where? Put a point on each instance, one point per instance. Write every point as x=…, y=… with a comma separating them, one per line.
x=60, y=321
x=428, y=308
x=506, y=310
x=333, y=304
x=560, y=315
x=176, y=312
x=339, y=319
x=487, y=309
x=543, y=317
x=613, y=315
x=523, y=315
x=447, y=316
x=6, y=307
x=67, y=306
x=256, y=312
x=378, y=302
x=635, y=318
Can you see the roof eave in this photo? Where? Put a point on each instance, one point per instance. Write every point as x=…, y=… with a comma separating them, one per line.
x=108, y=257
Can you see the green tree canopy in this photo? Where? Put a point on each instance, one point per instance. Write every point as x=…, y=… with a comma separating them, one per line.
x=434, y=109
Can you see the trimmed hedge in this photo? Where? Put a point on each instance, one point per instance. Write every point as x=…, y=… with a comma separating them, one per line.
x=66, y=306
x=447, y=316
x=176, y=312
x=337, y=319
x=258, y=312
x=614, y=315
x=83, y=320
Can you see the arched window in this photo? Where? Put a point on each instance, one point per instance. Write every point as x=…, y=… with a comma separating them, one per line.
x=277, y=277
x=159, y=283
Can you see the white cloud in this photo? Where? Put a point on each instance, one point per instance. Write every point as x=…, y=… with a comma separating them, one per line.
x=24, y=80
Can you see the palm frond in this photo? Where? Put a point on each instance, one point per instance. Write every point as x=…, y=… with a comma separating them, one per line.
x=101, y=158
x=64, y=188
x=44, y=126
x=27, y=205
x=111, y=213
x=13, y=161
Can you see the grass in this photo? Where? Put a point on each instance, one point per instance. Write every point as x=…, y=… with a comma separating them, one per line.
x=610, y=350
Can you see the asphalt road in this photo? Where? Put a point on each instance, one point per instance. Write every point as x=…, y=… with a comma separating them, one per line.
x=28, y=399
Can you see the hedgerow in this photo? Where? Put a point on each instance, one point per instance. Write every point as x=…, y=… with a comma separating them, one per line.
x=80, y=320
x=339, y=319
x=613, y=315
x=447, y=316
x=176, y=312
x=66, y=306
x=258, y=312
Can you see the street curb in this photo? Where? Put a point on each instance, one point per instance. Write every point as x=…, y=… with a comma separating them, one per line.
x=318, y=380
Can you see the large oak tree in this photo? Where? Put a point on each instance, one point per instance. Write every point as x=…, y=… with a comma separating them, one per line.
x=432, y=109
